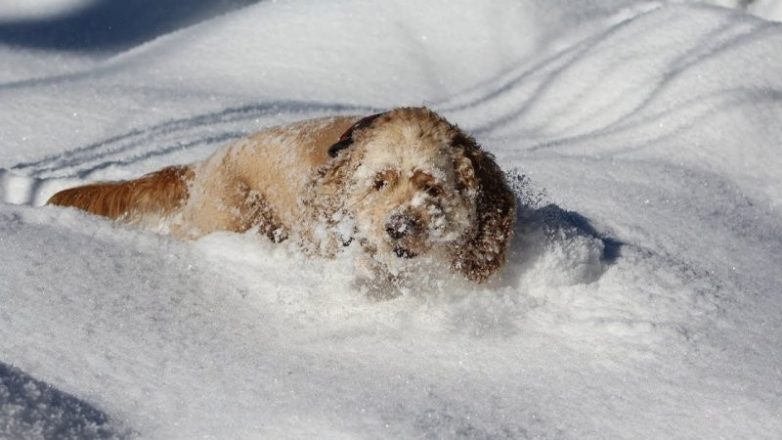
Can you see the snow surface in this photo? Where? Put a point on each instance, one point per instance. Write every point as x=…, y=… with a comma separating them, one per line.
x=641, y=300
x=29, y=10
x=768, y=9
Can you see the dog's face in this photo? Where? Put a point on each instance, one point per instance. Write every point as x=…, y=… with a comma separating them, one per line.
x=407, y=183
x=411, y=192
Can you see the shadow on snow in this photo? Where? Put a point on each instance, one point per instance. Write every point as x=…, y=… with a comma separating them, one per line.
x=30, y=408
x=112, y=25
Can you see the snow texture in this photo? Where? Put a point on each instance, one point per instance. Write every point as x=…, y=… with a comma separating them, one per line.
x=642, y=294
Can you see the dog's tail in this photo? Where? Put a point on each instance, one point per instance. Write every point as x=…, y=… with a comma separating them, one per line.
x=160, y=192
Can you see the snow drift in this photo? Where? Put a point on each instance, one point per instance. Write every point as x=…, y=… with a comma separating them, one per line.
x=642, y=297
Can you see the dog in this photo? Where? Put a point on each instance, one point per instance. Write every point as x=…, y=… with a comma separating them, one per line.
x=402, y=184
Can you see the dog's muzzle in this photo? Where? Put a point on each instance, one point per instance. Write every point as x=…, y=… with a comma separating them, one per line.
x=403, y=253
x=399, y=226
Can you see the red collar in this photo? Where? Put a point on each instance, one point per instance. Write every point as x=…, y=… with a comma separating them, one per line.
x=347, y=137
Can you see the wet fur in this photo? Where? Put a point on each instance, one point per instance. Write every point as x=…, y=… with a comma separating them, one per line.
x=408, y=162
x=162, y=192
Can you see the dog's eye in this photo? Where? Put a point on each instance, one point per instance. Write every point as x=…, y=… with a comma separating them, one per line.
x=384, y=179
x=433, y=190
x=380, y=183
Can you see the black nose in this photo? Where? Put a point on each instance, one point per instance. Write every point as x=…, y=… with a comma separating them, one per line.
x=400, y=225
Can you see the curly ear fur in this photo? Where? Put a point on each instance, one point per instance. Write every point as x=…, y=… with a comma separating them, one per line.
x=483, y=251
x=324, y=198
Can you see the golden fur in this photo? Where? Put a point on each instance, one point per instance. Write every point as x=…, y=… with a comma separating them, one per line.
x=405, y=183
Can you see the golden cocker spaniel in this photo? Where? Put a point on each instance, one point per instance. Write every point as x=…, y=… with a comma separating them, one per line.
x=402, y=184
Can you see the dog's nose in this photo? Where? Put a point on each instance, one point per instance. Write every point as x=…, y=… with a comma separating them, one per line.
x=400, y=225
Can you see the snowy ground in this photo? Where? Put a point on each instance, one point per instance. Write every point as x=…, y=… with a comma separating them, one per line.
x=642, y=300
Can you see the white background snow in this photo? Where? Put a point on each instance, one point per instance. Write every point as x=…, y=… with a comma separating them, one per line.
x=642, y=298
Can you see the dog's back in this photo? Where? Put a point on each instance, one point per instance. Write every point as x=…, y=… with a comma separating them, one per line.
x=261, y=175
x=160, y=192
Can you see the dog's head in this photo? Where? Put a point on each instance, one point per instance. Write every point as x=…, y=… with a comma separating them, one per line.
x=414, y=184
x=406, y=195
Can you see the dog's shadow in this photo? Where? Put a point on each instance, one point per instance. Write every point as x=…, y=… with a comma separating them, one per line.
x=38, y=410
x=552, y=248
x=552, y=217
x=563, y=247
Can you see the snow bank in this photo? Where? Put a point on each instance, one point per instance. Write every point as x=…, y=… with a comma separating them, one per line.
x=22, y=10
x=768, y=9
x=641, y=298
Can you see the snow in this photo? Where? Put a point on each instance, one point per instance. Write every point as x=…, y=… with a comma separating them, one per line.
x=768, y=9
x=27, y=10
x=641, y=298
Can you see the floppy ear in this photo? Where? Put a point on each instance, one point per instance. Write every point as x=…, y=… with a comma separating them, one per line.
x=479, y=176
x=325, y=190
x=323, y=201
